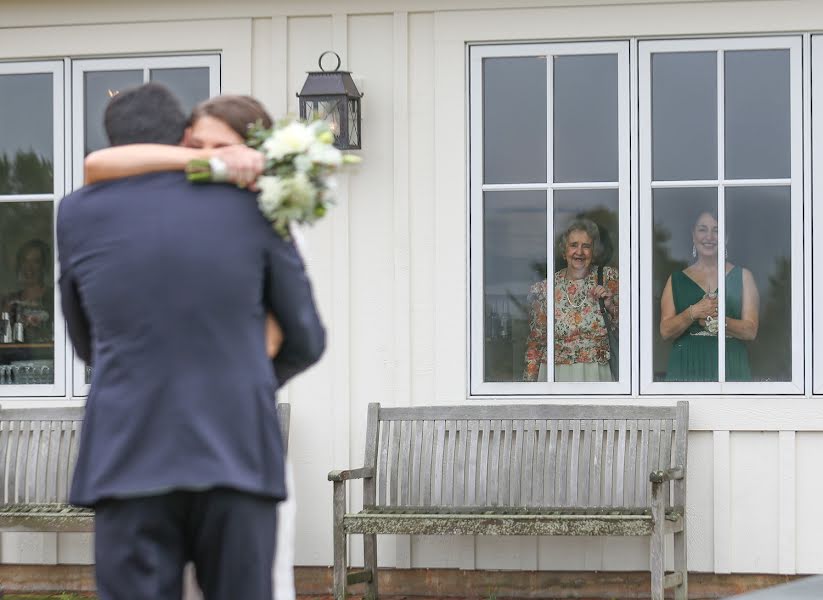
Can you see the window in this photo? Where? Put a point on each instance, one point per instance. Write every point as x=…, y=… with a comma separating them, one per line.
x=721, y=192
x=35, y=172
x=95, y=82
x=719, y=174
x=32, y=338
x=549, y=201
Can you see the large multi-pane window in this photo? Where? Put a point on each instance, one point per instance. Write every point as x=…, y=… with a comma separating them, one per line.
x=549, y=201
x=32, y=339
x=721, y=216
x=718, y=186
x=44, y=135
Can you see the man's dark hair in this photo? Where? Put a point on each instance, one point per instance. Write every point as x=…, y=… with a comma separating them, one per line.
x=148, y=114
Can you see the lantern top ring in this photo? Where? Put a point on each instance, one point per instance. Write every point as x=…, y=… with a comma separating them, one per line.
x=320, y=60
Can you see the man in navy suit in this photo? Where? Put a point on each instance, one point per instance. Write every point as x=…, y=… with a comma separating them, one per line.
x=165, y=287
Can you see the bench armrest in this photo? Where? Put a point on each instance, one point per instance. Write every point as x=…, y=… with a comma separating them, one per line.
x=667, y=475
x=362, y=473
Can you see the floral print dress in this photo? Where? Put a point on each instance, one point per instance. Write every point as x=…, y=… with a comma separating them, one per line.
x=580, y=334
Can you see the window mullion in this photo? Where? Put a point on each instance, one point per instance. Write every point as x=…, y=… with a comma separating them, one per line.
x=721, y=219
x=550, y=266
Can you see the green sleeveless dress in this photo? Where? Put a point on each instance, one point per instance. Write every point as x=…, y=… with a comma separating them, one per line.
x=694, y=357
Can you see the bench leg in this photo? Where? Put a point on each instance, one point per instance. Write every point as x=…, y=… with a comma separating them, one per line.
x=370, y=562
x=681, y=592
x=339, y=541
x=656, y=562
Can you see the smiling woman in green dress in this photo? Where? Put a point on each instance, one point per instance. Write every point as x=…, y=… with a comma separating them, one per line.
x=689, y=312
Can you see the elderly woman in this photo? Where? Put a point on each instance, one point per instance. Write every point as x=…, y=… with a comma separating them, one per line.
x=581, y=343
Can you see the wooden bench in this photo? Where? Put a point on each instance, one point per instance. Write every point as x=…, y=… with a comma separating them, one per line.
x=38, y=451
x=519, y=470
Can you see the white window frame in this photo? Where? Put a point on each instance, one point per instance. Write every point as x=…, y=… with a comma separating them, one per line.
x=55, y=68
x=79, y=68
x=477, y=188
x=815, y=50
x=720, y=45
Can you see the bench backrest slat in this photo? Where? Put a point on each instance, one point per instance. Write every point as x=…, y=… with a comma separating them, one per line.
x=525, y=455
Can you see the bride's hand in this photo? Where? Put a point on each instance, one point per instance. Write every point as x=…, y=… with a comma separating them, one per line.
x=243, y=164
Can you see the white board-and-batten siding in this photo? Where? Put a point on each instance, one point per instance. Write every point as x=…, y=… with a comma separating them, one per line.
x=390, y=264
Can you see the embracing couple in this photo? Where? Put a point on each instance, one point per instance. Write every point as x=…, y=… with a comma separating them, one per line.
x=192, y=312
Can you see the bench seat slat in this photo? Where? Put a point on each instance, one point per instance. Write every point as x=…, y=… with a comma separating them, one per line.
x=490, y=524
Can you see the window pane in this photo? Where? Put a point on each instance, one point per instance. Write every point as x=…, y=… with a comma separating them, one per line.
x=100, y=87
x=758, y=226
x=514, y=120
x=514, y=272
x=191, y=86
x=585, y=118
x=581, y=341
x=684, y=116
x=26, y=293
x=684, y=350
x=758, y=115
x=26, y=134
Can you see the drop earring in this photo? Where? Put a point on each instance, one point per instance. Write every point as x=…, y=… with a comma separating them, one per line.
x=694, y=251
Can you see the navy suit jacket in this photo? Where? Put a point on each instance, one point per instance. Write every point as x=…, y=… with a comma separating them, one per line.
x=165, y=287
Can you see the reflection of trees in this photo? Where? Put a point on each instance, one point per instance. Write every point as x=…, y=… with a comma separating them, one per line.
x=770, y=354
x=663, y=265
x=25, y=173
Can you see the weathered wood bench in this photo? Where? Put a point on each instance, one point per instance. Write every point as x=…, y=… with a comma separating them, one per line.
x=38, y=451
x=519, y=470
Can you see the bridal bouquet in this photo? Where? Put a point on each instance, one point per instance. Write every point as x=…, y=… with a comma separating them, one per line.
x=297, y=184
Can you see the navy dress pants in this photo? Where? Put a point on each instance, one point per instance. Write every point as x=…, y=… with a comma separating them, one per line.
x=142, y=544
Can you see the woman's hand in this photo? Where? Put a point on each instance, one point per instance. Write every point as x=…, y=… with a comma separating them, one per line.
x=699, y=311
x=609, y=299
x=274, y=336
x=243, y=164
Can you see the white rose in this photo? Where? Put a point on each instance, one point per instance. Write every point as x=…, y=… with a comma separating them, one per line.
x=302, y=190
x=272, y=191
x=294, y=138
x=325, y=154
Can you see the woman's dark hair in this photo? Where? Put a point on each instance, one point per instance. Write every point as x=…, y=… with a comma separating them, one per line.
x=711, y=211
x=41, y=247
x=238, y=112
x=591, y=229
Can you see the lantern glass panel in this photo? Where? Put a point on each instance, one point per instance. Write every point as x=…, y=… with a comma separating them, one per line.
x=354, y=123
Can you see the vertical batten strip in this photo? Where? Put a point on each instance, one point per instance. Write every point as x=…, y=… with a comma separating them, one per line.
x=574, y=464
x=540, y=460
x=722, y=502
x=562, y=462
x=527, y=468
x=787, y=524
x=642, y=475
x=280, y=65
x=666, y=456
x=4, y=452
x=417, y=462
x=460, y=464
x=620, y=466
x=505, y=461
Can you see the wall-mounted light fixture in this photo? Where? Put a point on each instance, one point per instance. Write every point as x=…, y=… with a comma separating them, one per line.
x=333, y=97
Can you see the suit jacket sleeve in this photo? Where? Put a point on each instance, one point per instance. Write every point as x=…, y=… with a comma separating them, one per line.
x=288, y=296
x=73, y=311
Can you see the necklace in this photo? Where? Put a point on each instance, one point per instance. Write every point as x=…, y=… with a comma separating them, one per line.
x=568, y=298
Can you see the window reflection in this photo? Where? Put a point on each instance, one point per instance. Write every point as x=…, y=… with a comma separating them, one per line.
x=26, y=293
x=26, y=128
x=514, y=258
x=190, y=85
x=758, y=223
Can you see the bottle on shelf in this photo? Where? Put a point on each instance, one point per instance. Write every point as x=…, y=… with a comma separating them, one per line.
x=5, y=329
x=19, y=330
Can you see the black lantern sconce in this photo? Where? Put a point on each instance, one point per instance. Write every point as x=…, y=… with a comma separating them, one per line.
x=333, y=97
